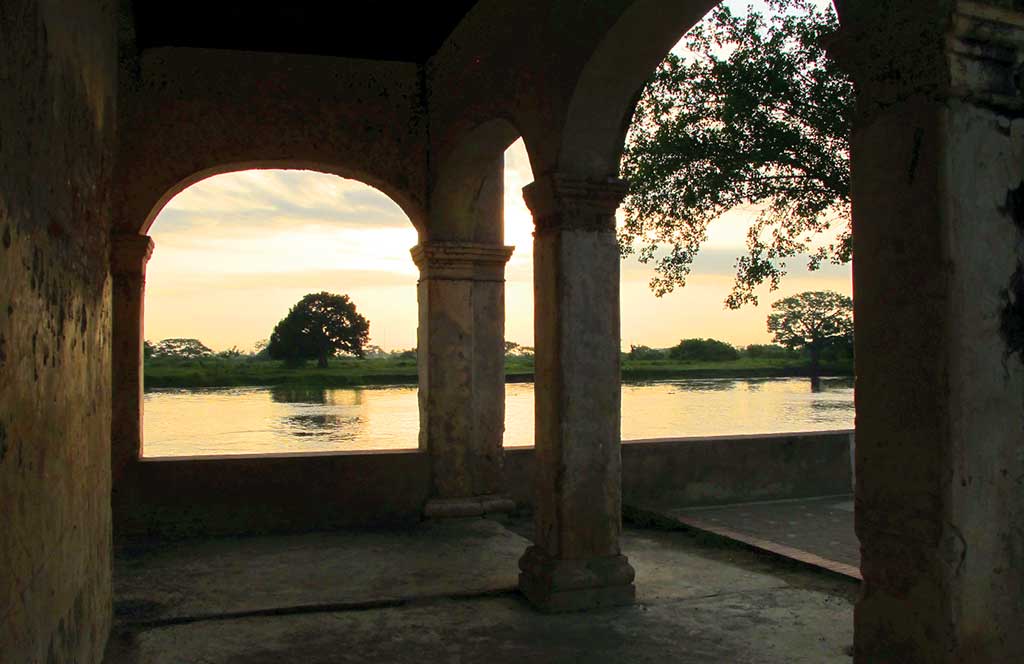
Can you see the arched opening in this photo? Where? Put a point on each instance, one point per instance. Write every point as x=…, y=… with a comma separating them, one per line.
x=235, y=252
x=727, y=209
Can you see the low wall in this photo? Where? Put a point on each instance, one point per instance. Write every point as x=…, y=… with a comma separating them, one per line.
x=181, y=496
x=299, y=492
x=717, y=469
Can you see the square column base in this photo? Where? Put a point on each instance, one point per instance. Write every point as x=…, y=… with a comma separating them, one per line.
x=553, y=585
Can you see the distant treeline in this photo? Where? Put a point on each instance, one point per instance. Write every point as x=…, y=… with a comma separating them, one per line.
x=185, y=365
x=713, y=350
x=687, y=350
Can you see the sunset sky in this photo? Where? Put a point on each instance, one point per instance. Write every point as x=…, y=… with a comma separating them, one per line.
x=235, y=251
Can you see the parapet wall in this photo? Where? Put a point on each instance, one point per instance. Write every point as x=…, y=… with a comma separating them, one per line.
x=277, y=493
x=718, y=469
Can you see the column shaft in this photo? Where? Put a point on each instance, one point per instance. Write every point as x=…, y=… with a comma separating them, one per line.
x=462, y=374
x=937, y=182
x=129, y=255
x=575, y=562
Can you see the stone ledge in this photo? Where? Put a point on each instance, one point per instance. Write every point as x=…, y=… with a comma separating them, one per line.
x=446, y=508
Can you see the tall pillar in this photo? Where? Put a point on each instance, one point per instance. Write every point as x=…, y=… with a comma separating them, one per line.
x=128, y=257
x=461, y=349
x=938, y=214
x=575, y=562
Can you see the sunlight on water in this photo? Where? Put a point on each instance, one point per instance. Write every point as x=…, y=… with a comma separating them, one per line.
x=264, y=420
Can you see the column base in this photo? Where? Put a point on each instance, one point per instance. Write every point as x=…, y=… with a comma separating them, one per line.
x=446, y=508
x=557, y=586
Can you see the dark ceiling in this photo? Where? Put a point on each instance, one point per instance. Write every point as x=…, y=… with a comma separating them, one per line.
x=403, y=31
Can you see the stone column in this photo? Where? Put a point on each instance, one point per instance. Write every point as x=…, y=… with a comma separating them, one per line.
x=938, y=213
x=461, y=350
x=128, y=257
x=575, y=562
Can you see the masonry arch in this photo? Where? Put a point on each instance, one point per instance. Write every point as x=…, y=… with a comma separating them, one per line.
x=467, y=193
x=155, y=202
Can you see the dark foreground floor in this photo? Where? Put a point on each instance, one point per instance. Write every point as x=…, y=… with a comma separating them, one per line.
x=444, y=592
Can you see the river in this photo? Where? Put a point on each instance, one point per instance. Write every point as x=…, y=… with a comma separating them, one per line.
x=259, y=420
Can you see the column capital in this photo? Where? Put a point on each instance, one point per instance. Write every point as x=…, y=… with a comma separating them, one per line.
x=129, y=253
x=560, y=201
x=461, y=261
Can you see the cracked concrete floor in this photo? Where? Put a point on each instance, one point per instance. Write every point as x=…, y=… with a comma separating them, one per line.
x=444, y=592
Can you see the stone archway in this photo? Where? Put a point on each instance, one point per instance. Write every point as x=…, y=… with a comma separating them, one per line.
x=130, y=254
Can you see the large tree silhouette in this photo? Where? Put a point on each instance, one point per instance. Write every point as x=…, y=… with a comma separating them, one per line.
x=319, y=326
x=811, y=321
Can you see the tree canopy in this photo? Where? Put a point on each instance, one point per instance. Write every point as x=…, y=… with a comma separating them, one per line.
x=318, y=327
x=703, y=350
x=186, y=349
x=812, y=321
x=753, y=114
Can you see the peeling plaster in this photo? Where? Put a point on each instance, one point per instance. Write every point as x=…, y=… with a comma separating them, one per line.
x=1011, y=317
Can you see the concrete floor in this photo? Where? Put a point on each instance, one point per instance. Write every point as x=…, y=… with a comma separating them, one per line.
x=817, y=531
x=444, y=592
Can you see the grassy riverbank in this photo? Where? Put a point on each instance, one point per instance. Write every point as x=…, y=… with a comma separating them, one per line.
x=345, y=372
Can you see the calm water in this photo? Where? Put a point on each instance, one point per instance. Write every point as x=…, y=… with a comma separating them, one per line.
x=261, y=420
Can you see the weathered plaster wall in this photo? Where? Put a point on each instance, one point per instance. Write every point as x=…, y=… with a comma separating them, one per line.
x=57, y=103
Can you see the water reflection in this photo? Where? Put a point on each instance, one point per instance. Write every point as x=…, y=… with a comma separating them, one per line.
x=302, y=423
x=291, y=394
x=290, y=419
x=698, y=385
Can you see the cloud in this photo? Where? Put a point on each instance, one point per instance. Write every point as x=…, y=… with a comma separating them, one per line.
x=309, y=280
x=255, y=201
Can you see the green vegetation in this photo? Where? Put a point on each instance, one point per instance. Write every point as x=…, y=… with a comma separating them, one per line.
x=399, y=368
x=704, y=350
x=186, y=349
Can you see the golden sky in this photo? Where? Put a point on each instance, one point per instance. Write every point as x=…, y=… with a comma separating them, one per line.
x=235, y=251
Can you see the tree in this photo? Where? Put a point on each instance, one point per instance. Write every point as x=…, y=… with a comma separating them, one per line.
x=812, y=321
x=181, y=348
x=703, y=350
x=646, y=353
x=755, y=114
x=374, y=351
x=147, y=349
x=769, y=351
x=319, y=326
